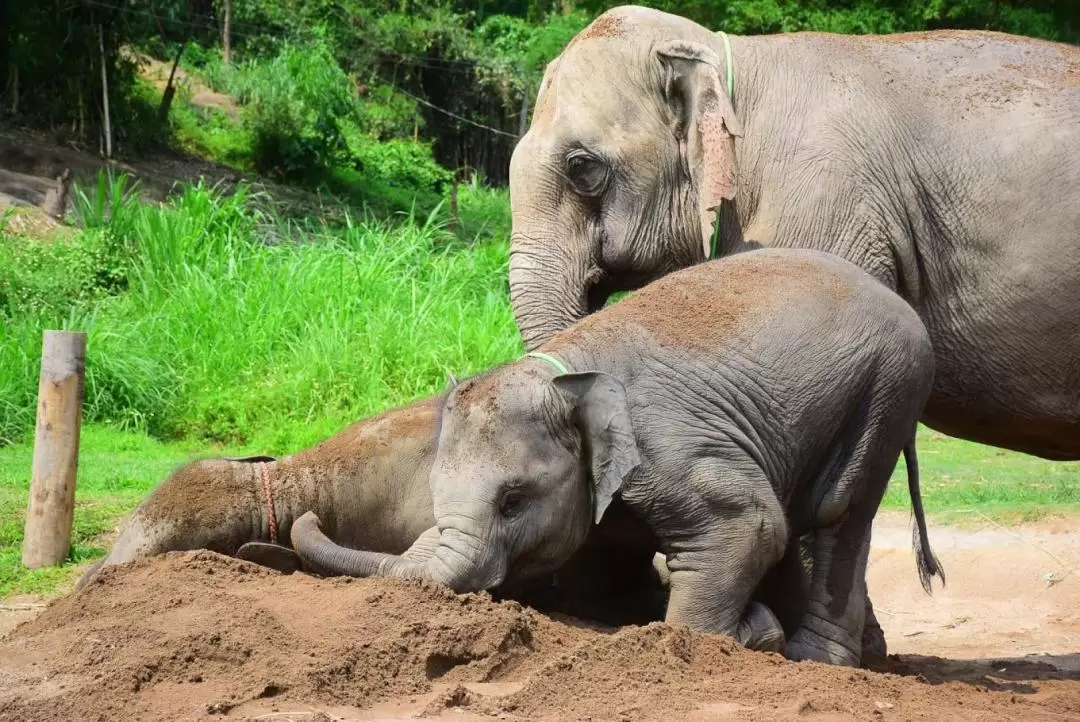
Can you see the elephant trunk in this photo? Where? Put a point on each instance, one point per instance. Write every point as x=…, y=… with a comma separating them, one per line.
x=423, y=560
x=549, y=288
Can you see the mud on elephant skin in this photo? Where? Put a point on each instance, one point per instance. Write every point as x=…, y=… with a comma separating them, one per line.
x=942, y=163
x=717, y=414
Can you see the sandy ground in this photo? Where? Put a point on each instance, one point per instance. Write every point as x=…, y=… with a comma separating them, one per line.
x=1010, y=592
x=200, y=636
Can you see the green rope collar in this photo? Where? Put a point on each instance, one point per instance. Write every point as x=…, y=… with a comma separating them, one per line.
x=731, y=94
x=556, y=363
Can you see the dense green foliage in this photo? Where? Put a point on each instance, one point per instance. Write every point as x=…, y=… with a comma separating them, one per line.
x=326, y=81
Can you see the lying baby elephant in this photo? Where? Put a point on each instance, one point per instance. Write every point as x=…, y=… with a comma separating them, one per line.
x=717, y=413
x=369, y=482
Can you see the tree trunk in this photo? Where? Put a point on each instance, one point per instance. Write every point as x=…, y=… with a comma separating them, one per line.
x=453, y=203
x=82, y=114
x=523, y=119
x=105, y=92
x=226, y=24
x=170, y=89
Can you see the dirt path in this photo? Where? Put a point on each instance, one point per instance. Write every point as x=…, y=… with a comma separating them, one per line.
x=1010, y=592
x=200, y=636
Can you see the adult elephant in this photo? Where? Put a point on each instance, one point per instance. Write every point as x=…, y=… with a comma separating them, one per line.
x=945, y=163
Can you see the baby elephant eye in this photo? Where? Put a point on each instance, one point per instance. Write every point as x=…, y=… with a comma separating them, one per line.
x=589, y=175
x=512, y=502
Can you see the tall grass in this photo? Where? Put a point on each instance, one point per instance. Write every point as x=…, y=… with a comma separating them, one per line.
x=219, y=334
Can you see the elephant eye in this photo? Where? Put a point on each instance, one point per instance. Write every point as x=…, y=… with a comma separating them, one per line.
x=512, y=502
x=588, y=174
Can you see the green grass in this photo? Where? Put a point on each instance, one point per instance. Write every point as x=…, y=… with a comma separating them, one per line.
x=116, y=470
x=230, y=326
x=963, y=481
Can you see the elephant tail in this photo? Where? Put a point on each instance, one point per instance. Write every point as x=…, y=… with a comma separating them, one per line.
x=925, y=559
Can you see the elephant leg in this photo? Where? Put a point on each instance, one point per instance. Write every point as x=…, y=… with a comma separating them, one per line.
x=786, y=586
x=785, y=591
x=760, y=630
x=715, y=570
x=272, y=556
x=832, y=628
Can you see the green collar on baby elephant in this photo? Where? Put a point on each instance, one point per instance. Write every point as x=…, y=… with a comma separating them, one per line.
x=731, y=94
x=550, y=359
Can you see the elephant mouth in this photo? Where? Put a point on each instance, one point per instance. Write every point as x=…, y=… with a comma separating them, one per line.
x=603, y=288
x=597, y=296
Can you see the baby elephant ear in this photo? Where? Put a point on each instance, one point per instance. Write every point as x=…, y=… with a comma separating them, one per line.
x=603, y=418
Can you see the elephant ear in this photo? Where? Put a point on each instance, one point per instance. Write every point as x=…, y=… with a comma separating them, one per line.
x=603, y=418
x=706, y=125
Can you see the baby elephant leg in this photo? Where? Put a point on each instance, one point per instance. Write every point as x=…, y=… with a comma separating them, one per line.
x=834, y=623
x=832, y=628
x=716, y=567
x=873, y=636
x=786, y=588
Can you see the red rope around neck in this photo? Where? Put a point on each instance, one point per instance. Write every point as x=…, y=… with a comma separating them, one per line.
x=269, y=501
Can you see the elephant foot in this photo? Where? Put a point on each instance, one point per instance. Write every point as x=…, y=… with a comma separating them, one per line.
x=807, y=645
x=273, y=556
x=873, y=644
x=874, y=647
x=760, y=630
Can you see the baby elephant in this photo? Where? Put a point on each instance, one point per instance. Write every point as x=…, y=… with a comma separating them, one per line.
x=716, y=413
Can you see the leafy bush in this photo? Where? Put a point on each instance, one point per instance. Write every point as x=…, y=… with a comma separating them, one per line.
x=404, y=163
x=298, y=102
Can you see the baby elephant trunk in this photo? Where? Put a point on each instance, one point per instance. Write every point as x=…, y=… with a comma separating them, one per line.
x=420, y=561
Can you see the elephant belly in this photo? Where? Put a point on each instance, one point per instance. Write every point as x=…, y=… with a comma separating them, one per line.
x=1008, y=373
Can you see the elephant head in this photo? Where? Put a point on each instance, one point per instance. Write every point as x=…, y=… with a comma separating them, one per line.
x=525, y=464
x=616, y=183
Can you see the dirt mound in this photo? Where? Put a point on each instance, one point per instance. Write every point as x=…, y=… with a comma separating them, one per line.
x=199, y=636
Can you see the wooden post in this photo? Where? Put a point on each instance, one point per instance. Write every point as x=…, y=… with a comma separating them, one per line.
x=50, y=512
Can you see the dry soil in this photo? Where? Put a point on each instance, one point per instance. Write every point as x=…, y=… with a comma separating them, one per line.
x=200, y=636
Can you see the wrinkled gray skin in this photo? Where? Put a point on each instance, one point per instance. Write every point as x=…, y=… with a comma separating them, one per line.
x=945, y=164
x=718, y=414
x=369, y=486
